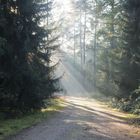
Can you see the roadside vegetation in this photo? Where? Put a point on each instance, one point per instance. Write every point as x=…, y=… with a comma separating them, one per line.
x=10, y=126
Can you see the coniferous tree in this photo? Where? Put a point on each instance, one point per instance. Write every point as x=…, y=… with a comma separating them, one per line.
x=130, y=59
x=25, y=51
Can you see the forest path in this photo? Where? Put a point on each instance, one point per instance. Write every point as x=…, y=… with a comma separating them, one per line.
x=82, y=119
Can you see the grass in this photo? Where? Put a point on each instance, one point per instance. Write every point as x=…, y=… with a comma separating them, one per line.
x=130, y=118
x=13, y=126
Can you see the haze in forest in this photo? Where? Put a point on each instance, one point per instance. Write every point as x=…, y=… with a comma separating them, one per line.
x=73, y=65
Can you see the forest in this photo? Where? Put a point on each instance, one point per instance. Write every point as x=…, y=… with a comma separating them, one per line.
x=100, y=38
x=102, y=41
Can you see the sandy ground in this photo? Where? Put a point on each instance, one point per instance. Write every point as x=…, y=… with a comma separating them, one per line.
x=82, y=119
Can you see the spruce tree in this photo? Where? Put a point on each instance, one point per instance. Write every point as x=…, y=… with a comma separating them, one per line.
x=26, y=76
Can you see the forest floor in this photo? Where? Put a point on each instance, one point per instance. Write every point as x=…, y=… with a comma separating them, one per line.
x=83, y=118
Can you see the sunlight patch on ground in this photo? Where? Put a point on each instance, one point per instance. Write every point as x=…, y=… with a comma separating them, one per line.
x=97, y=108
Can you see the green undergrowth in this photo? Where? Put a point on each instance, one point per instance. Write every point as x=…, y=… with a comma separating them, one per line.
x=131, y=109
x=130, y=116
x=133, y=119
x=13, y=126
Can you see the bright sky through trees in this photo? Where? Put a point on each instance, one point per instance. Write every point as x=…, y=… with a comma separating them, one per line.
x=65, y=5
x=65, y=15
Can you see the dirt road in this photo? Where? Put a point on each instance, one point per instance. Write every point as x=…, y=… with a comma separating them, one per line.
x=82, y=119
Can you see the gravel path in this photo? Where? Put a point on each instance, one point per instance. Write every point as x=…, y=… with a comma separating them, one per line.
x=82, y=119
